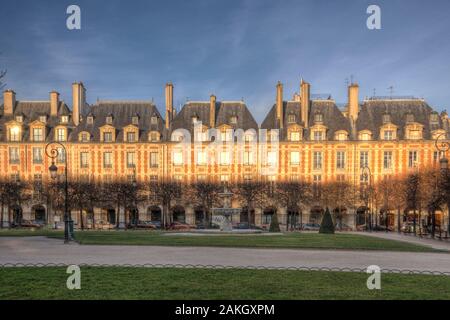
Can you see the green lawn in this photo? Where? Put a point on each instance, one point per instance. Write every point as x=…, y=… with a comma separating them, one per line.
x=171, y=283
x=286, y=240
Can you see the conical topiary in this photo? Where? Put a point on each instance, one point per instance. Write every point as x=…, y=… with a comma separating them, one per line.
x=274, y=225
x=327, y=225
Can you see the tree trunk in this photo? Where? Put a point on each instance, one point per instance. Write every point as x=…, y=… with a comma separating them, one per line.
x=81, y=219
x=2, y=211
x=118, y=215
x=9, y=217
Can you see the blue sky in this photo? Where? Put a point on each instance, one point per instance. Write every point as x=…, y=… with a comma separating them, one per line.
x=234, y=49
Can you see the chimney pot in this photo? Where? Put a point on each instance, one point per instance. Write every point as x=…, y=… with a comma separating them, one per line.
x=9, y=101
x=54, y=102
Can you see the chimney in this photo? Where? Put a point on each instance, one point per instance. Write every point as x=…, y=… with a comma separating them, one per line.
x=280, y=103
x=169, y=104
x=54, y=102
x=9, y=101
x=78, y=101
x=353, y=104
x=212, y=111
x=305, y=101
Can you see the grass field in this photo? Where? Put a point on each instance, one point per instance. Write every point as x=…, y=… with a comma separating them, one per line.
x=156, y=283
x=287, y=240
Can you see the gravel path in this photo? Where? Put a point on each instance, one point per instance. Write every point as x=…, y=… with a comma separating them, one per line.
x=44, y=250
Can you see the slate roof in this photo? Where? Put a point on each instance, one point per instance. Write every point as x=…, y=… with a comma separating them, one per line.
x=31, y=111
x=224, y=111
x=122, y=113
x=371, y=115
x=333, y=118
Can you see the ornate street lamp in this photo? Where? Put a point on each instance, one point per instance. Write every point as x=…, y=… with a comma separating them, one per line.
x=367, y=175
x=443, y=146
x=51, y=151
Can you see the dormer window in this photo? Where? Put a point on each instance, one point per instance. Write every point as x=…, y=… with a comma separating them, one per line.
x=365, y=136
x=294, y=136
x=409, y=117
x=318, y=117
x=84, y=137
x=14, y=134
x=109, y=119
x=154, y=120
x=318, y=135
x=434, y=118
x=154, y=136
x=233, y=120
x=388, y=135
x=90, y=120
x=341, y=136
x=291, y=118
x=19, y=119
x=135, y=120
x=131, y=136
x=194, y=119
x=386, y=118
x=64, y=119
x=60, y=134
x=43, y=119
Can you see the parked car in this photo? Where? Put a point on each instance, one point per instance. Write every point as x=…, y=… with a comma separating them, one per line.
x=311, y=227
x=144, y=225
x=29, y=224
x=409, y=227
x=157, y=224
x=246, y=225
x=343, y=227
x=179, y=226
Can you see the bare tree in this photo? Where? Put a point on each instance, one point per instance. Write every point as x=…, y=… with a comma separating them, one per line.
x=2, y=77
x=412, y=195
x=338, y=195
x=165, y=192
x=250, y=194
x=204, y=194
x=295, y=196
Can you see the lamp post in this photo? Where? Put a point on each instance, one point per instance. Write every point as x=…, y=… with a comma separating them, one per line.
x=51, y=151
x=367, y=175
x=443, y=147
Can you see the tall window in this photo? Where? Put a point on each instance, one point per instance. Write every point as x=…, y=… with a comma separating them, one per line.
x=37, y=155
x=61, y=134
x=271, y=158
x=436, y=157
x=107, y=160
x=387, y=160
x=201, y=158
x=61, y=158
x=107, y=136
x=224, y=158
x=413, y=159
x=177, y=158
x=14, y=157
x=153, y=159
x=84, y=160
x=295, y=157
x=317, y=179
x=291, y=118
x=131, y=160
x=363, y=159
x=340, y=160
x=248, y=158
x=388, y=135
x=317, y=160
x=38, y=134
